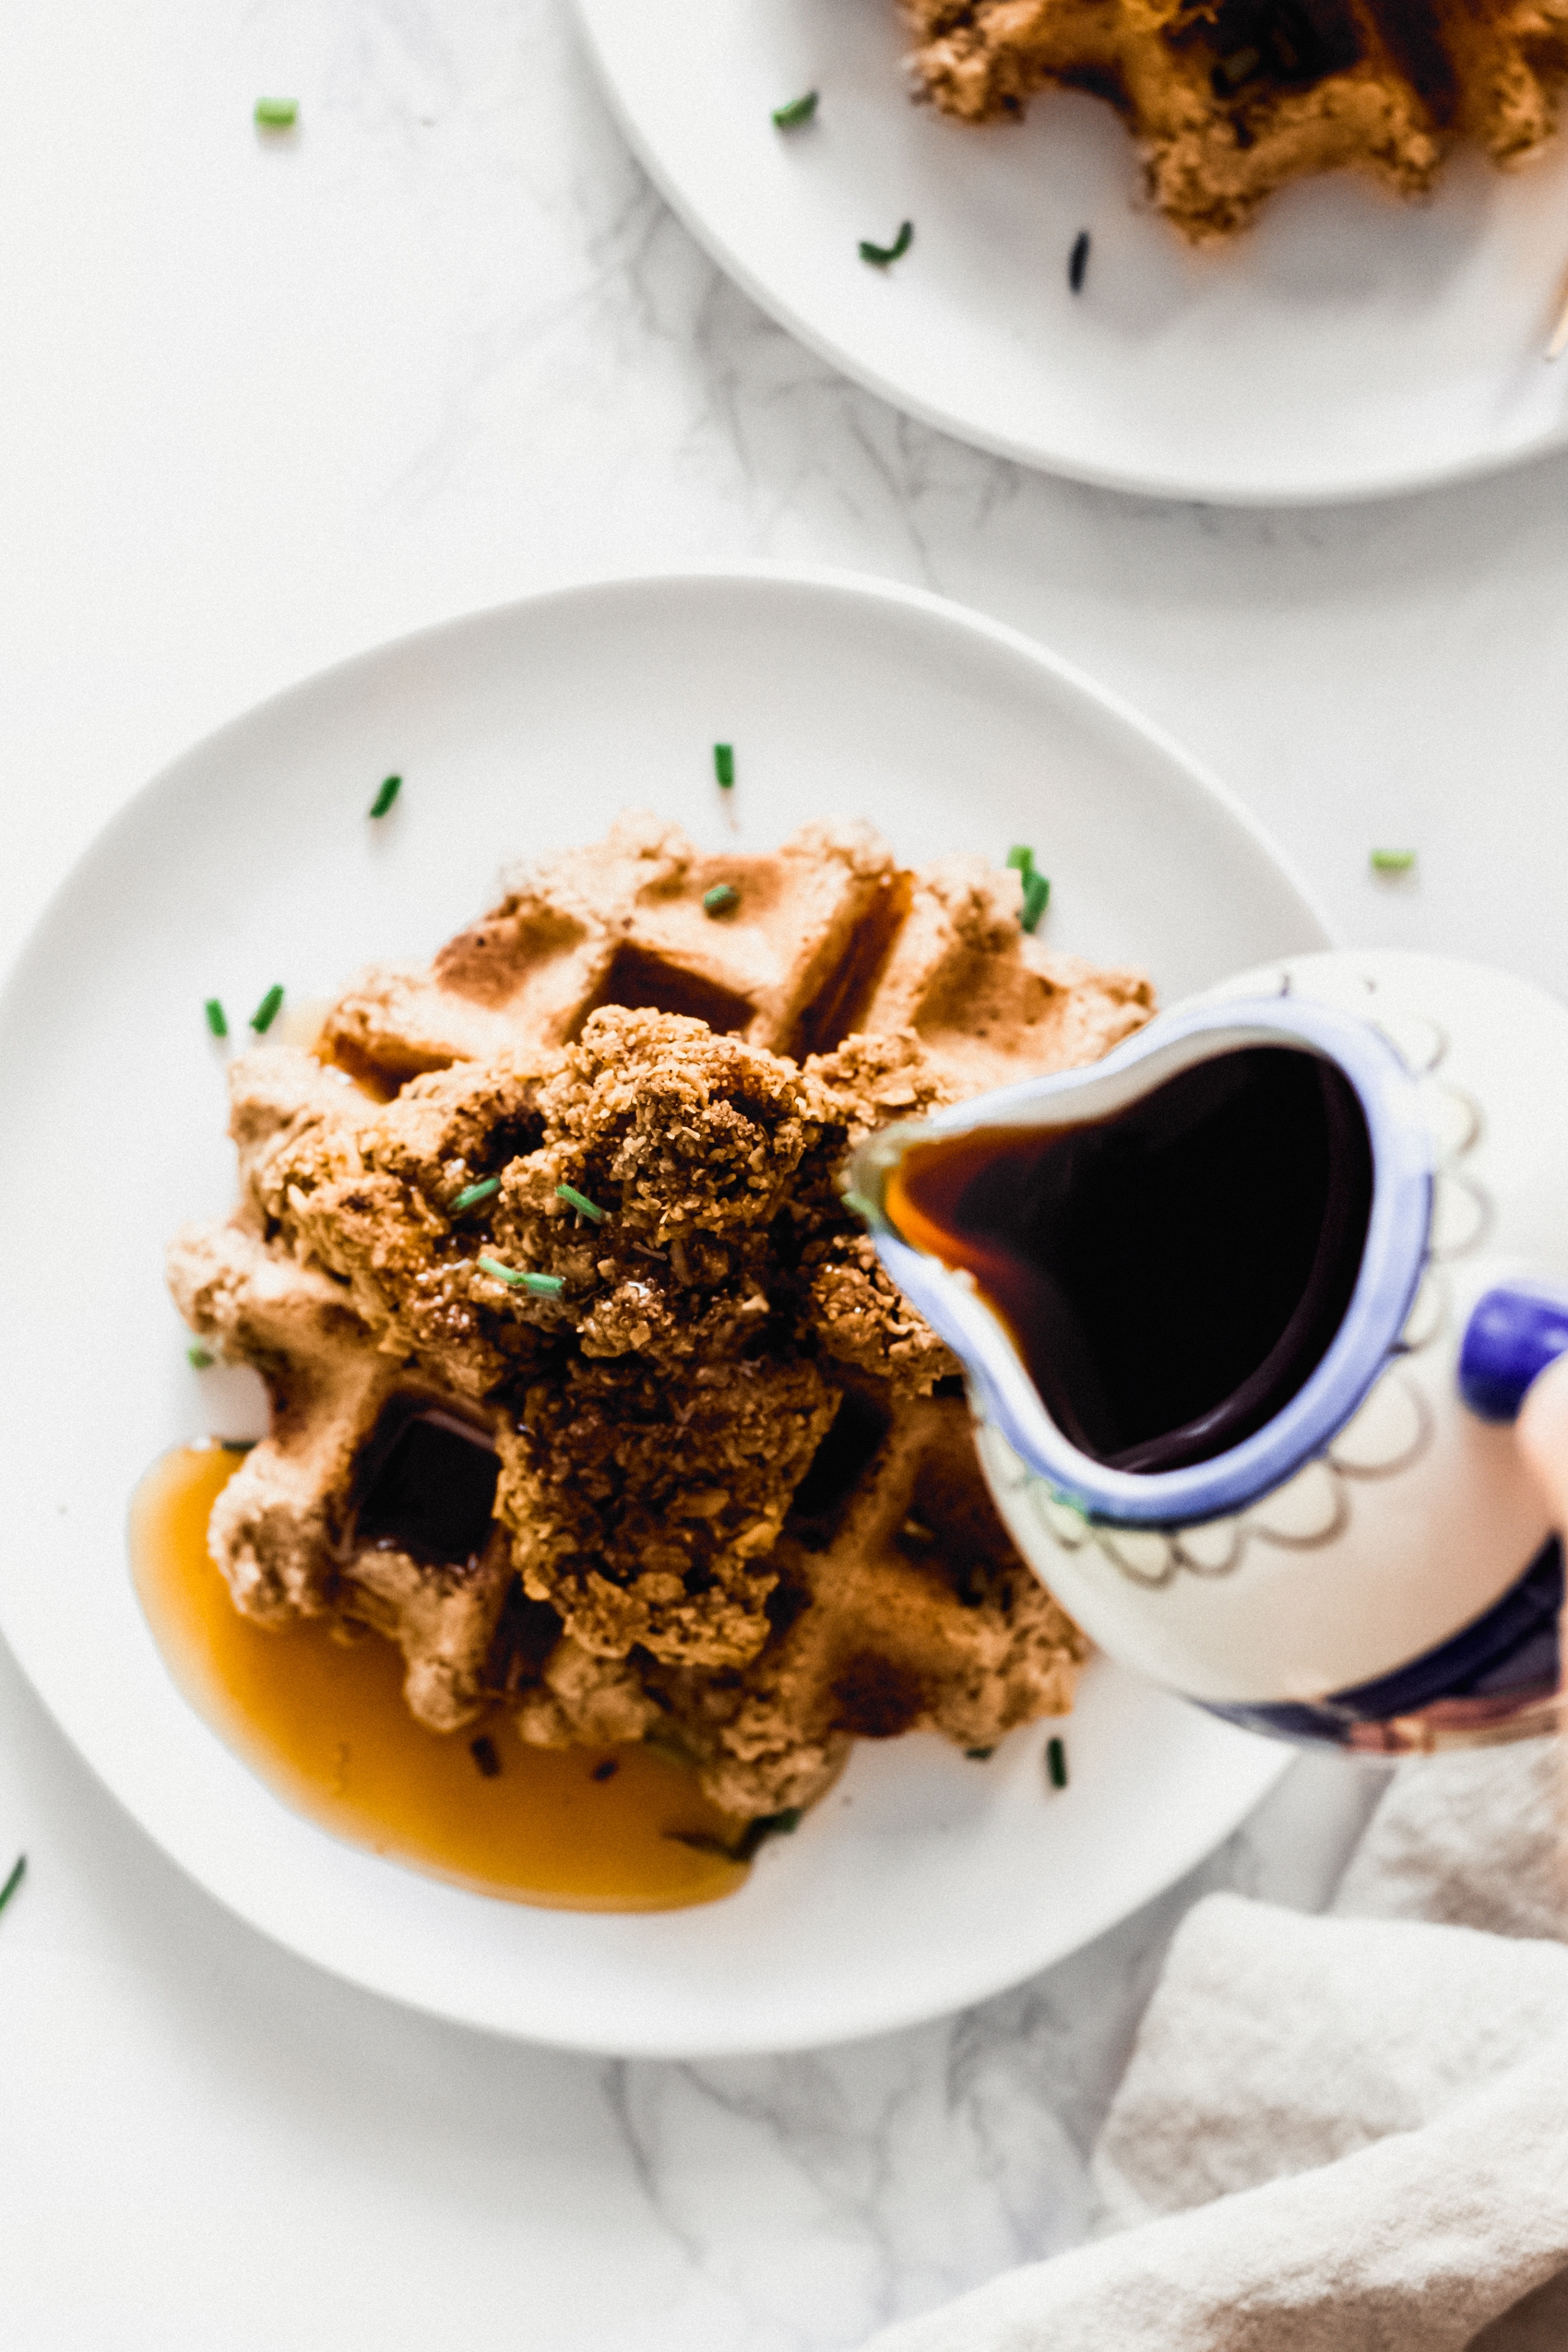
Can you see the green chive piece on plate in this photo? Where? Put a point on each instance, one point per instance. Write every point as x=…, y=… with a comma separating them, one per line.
x=267, y=1010
x=276, y=114
x=798, y=111
x=581, y=1201
x=1036, y=898
x=722, y=900
x=724, y=765
x=216, y=1020
x=18, y=1871
x=881, y=255
x=200, y=1358
x=386, y=795
x=1056, y=1763
x=471, y=1195
x=1393, y=860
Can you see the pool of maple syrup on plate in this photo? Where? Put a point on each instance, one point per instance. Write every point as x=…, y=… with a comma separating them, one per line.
x=323, y=1724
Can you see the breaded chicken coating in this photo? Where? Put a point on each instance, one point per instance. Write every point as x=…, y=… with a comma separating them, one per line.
x=589, y=1389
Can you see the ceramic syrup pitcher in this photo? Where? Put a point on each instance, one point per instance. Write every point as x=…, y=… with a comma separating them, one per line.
x=1242, y=1309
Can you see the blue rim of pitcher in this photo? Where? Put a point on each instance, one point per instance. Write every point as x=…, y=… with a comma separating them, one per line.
x=1392, y=1260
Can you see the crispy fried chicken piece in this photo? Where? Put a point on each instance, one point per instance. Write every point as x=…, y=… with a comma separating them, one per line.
x=702, y=1152
x=652, y=1526
x=713, y=1164
x=645, y=1517
x=366, y=1191
x=900, y=1605
x=692, y=1535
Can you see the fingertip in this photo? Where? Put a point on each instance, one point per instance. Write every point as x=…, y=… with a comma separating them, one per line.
x=1542, y=1433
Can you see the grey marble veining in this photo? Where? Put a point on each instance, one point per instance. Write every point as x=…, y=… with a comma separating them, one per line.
x=776, y=2205
x=449, y=346
x=902, y=2170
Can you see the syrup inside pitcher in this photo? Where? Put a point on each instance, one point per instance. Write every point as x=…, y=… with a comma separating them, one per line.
x=1171, y=1273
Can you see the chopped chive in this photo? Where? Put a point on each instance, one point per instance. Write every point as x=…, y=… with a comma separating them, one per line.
x=724, y=765
x=1393, y=860
x=471, y=1195
x=482, y=1751
x=1056, y=1763
x=18, y=1871
x=1036, y=889
x=216, y=1020
x=386, y=795
x=1078, y=261
x=606, y=1768
x=235, y=1445
x=546, y=1285
x=200, y=1358
x=780, y=1824
x=267, y=1011
x=798, y=111
x=980, y=1756
x=276, y=114
x=581, y=1201
x=880, y=256
x=722, y=900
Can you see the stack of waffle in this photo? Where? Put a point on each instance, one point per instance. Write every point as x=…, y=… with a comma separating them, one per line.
x=1229, y=99
x=588, y=1390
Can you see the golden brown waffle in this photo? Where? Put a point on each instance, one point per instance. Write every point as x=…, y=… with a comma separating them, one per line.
x=1229, y=99
x=695, y=1472
x=829, y=937
x=901, y=1605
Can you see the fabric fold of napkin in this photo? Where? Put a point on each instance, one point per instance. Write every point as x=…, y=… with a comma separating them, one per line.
x=1345, y=2134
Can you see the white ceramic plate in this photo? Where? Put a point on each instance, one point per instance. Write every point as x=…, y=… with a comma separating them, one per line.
x=924, y=1881
x=1349, y=345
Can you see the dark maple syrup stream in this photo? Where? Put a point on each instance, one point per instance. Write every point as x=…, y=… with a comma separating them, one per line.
x=325, y=1726
x=1170, y=1275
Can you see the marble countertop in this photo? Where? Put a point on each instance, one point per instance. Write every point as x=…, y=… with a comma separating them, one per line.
x=268, y=401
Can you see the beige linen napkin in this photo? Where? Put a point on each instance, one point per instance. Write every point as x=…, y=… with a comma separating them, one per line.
x=1344, y=2133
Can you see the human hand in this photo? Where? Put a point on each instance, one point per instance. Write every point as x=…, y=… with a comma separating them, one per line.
x=1543, y=1433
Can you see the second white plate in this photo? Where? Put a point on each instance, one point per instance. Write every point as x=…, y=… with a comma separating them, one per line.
x=924, y=1881
x=1348, y=345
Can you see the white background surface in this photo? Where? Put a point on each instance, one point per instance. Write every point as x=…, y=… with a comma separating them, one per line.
x=262, y=404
